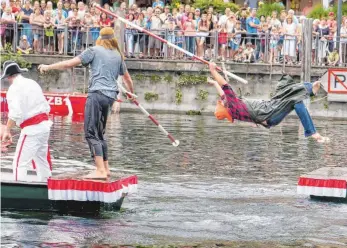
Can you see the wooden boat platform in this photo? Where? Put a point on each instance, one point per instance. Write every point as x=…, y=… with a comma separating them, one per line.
x=328, y=182
x=65, y=193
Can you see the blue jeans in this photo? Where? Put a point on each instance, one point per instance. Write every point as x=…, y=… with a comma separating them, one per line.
x=28, y=32
x=302, y=113
x=190, y=44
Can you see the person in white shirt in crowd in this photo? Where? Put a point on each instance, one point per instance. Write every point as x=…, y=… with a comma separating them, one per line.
x=49, y=8
x=163, y=16
x=7, y=20
x=156, y=25
x=343, y=43
x=81, y=10
x=224, y=18
x=28, y=109
x=294, y=18
x=274, y=22
x=60, y=8
x=197, y=17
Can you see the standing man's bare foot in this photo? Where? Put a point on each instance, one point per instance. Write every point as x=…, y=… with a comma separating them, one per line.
x=319, y=138
x=96, y=175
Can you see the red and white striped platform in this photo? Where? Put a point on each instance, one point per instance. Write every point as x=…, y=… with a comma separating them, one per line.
x=74, y=189
x=324, y=182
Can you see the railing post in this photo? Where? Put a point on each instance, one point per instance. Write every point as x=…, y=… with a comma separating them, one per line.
x=307, y=53
x=165, y=45
x=316, y=50
x=266, y=53
x=215, y=44
x=15, y=37
x=66, y=38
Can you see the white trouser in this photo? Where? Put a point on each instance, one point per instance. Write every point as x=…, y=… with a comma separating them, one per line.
x=32, y=151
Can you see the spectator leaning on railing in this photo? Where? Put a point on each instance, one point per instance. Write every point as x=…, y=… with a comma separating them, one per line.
x=275, y=38
x=25, y=19
x=252, y=24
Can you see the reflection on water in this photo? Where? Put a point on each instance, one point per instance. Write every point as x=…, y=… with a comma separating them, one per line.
x=224, y=182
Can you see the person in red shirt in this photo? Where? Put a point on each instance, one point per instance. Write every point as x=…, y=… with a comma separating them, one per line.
x=14, y=8
x=105, y=21
x=331, y=22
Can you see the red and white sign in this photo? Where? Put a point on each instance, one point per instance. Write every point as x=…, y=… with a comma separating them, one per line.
x=322, y=187
x=61, y=103
x=337, y=81
x=87, y=190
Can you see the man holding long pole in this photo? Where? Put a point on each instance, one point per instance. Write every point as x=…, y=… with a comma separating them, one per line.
x=106, y=63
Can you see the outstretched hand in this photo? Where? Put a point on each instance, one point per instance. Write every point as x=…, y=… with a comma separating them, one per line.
x=43, y=68
x=6, y=137
x=212, y=66
x=210, y=81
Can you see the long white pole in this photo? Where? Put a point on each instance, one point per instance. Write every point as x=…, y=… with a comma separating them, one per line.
x=232, y=75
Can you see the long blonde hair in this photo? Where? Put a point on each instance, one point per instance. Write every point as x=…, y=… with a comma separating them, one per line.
x=108, y=43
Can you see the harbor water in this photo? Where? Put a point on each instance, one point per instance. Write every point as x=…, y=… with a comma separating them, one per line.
x=223, y=183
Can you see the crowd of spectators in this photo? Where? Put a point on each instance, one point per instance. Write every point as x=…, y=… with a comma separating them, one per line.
x=239, y=36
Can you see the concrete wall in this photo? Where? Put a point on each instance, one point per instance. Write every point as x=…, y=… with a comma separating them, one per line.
x=180, y=86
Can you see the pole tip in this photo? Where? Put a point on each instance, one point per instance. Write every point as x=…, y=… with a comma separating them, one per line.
x=176, y=143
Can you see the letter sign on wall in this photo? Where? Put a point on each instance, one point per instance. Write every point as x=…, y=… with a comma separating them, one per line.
x=337, y=81
x=54, y=100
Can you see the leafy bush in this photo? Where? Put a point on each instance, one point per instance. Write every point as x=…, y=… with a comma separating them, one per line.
x=318, y=11
x=267, y=8
x=9, y=55
x=218, y=5
x=175, y=4
x=344, y=9
x=151, y=96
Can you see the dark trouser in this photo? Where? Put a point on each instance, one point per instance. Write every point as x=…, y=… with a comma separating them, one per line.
x=302, y=113
x=95, y=119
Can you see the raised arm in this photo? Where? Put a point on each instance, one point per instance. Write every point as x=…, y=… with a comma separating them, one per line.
x=221, y=81
x=61, y=65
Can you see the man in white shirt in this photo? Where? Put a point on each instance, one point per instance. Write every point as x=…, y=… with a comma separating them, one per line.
x=223, y=19
x=155, y=27
x=28, y=109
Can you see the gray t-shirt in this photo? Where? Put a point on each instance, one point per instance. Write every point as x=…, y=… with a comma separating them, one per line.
x=105, y=67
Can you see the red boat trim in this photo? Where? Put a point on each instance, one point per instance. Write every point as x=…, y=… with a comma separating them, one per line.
x=74, y=184
x=326, y=183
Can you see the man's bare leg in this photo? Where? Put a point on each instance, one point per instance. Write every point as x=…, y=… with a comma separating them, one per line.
x=107, y=168
x=100, y=172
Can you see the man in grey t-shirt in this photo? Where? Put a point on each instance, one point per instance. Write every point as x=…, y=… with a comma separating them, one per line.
x=106, y=64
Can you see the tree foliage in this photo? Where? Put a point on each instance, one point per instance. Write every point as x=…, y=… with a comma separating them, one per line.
x=318, y=11
x=267, y=8
x=218, y=5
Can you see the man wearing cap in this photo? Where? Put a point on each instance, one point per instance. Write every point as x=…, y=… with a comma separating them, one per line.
x=158, y=3
x=24, y=46
x=163, y=16
x=28, y=109
x=106, y=63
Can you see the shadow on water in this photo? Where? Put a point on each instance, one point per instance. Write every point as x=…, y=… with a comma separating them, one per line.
x=224, y=182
